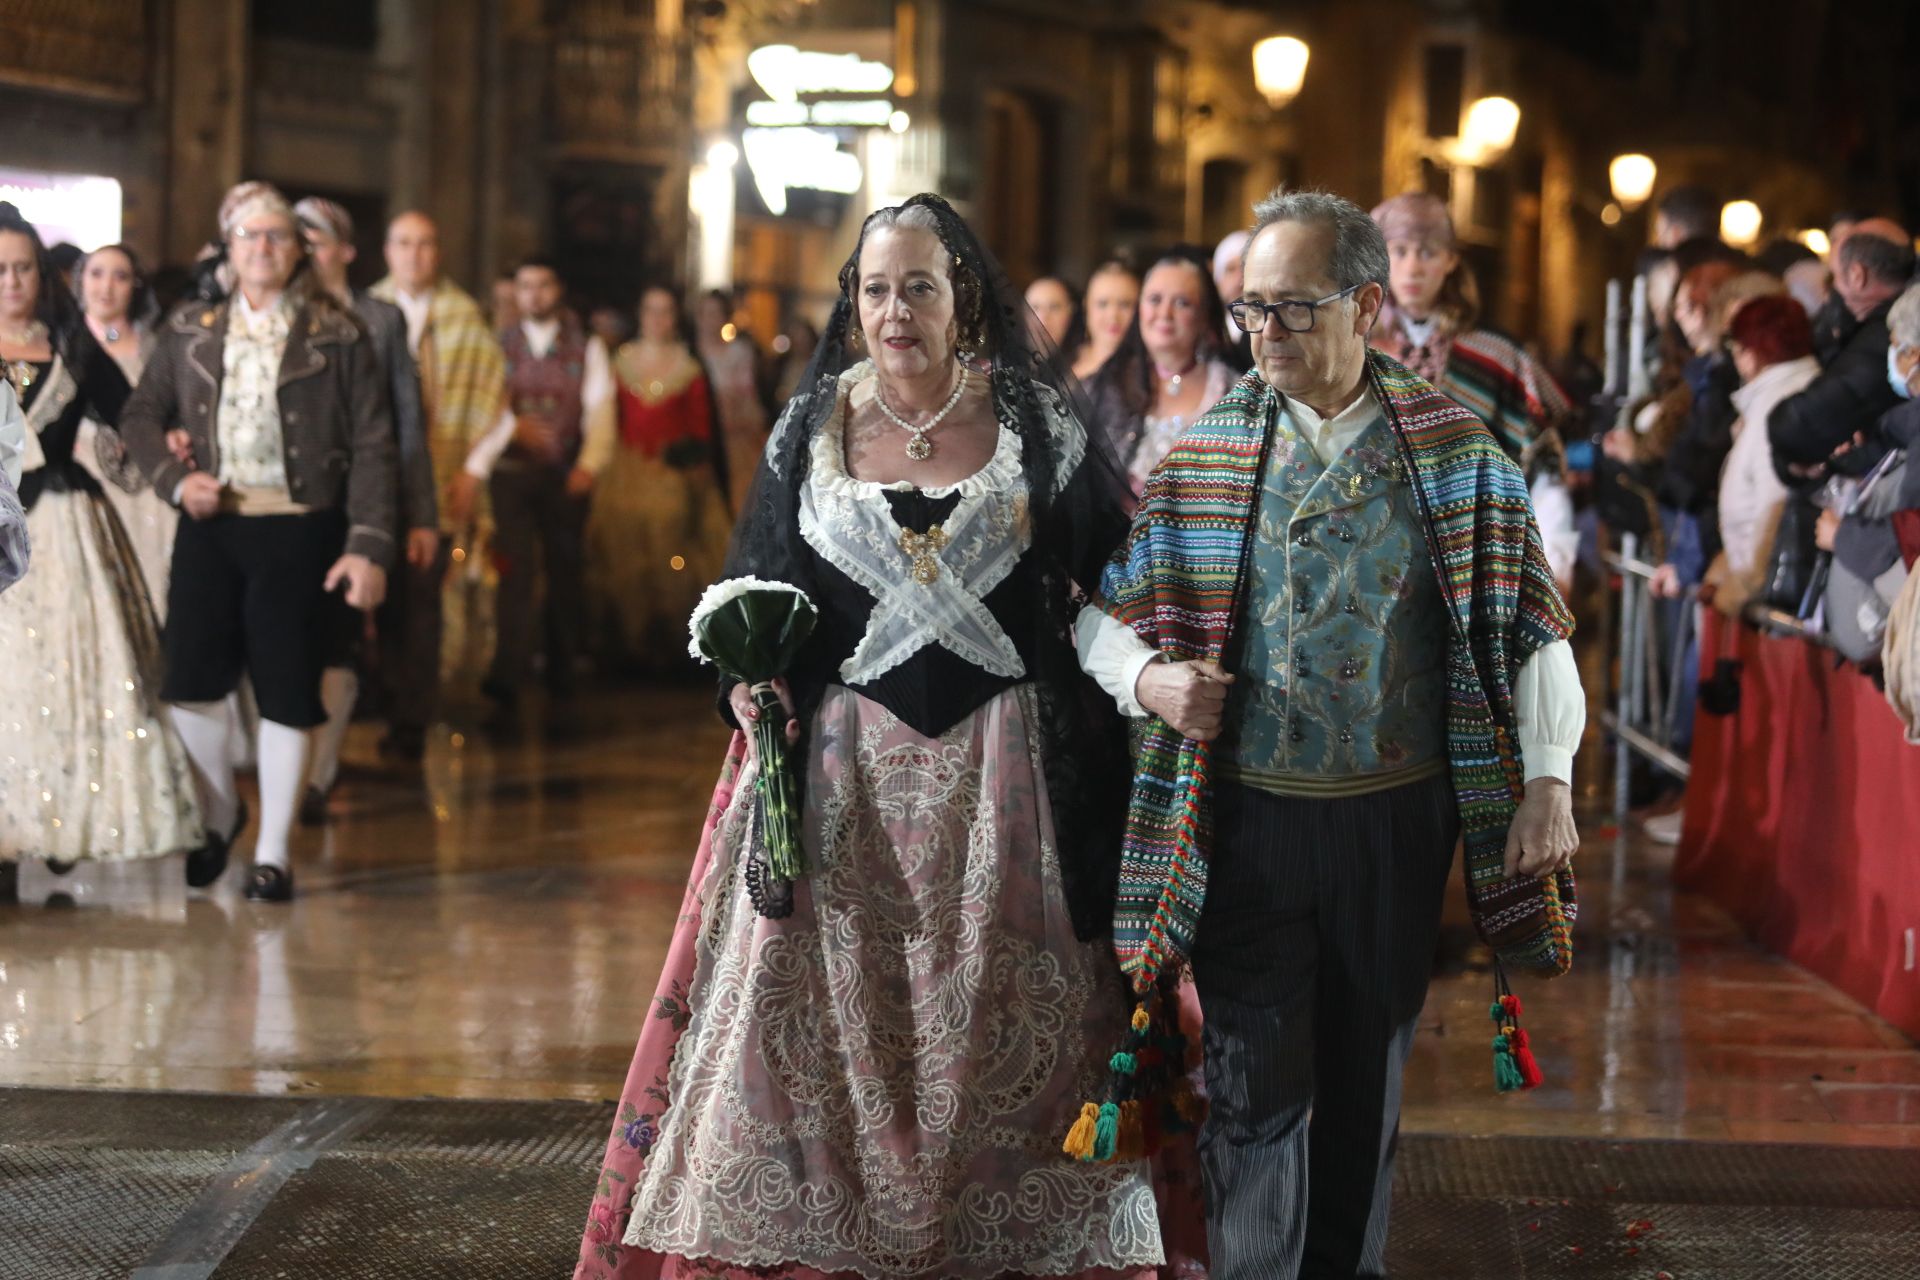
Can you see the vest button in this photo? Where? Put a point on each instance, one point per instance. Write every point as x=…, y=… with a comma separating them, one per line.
x=1305, y=539
x=1346, y=737
x=1349, y=668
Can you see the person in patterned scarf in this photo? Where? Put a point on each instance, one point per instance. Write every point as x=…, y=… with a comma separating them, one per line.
x=1335, y=614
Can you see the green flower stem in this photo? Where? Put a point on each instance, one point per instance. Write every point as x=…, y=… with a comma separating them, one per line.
x=779, y=790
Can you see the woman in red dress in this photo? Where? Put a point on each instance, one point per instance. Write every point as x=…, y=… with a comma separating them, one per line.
x=657, y=532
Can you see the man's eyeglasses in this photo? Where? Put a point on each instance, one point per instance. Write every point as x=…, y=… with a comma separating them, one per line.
x=1295, y=317
x=276, y=237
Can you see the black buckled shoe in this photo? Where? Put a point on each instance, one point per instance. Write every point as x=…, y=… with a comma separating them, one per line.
x=313, y=808
x=9, y=882
x=270, y=884
x=209, y=862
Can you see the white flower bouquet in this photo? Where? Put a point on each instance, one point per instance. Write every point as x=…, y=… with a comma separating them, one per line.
x=752, y=630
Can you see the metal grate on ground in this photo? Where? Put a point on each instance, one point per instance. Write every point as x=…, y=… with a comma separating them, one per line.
x=102, y=1184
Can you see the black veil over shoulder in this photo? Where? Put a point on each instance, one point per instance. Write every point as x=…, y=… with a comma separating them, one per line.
x=1078, y=503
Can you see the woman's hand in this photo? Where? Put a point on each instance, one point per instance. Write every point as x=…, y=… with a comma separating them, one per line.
x=741, y=700
x=1190, y=696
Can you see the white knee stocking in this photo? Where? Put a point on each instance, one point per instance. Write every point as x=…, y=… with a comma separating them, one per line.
x=282, y=755
x=206, y=730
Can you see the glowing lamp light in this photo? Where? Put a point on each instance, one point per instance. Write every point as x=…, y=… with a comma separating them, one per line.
x=1489, y=128
x=1740, y=222
x=1280, y=68
x=899, y=122
x=1815, y=239
x=803, y=159
x=1612, y=214
x=1631, y=177
x=722, y=155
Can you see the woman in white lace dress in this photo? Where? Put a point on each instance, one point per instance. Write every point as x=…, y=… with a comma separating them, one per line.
x=869, y=1071
x=89, y=766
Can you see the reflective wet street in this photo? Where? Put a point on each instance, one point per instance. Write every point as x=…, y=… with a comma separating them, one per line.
x=498, y=935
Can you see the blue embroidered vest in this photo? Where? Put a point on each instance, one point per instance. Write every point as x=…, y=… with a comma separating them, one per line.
x=1342, y=647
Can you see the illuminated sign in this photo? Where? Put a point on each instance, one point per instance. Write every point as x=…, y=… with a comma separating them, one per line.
x=834, y=113
x=78, y=209
x=786, y=72
x=798, y=159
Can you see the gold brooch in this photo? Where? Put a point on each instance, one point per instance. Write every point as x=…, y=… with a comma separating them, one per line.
x=921, y=548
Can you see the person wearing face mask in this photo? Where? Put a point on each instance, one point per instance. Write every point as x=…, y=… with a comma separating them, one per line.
x=1336, y=617
x=120, y=312
x=1814, y=433
x=90, y=768
x=962, y=805
x=1169, y=370
x=1113, y=293
x=1900, y=425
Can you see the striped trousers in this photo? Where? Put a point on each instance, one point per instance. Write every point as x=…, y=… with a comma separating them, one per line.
x=1311, y=961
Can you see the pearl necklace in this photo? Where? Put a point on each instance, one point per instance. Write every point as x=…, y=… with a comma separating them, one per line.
x=29, y=336
x=919, y=448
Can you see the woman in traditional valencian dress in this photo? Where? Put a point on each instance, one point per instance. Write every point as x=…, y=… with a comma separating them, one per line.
x=89, y=766
x=657, y=530
x=733, y=370
x=871, y=1074
x=120, y=311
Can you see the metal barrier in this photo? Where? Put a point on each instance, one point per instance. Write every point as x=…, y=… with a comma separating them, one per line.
x=1642, y=710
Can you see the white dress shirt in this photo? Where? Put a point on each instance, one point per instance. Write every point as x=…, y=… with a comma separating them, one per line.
x=596, y=397
x=417, y=308
x=1549, y=705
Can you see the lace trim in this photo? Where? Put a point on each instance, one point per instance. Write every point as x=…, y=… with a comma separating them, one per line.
x=925, y=997
x=849, y=524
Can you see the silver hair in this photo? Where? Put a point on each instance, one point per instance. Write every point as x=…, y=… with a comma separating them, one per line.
x=1903, y=322
x=1359, y=249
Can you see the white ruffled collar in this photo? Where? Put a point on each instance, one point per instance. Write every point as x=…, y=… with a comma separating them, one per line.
x=999, y=474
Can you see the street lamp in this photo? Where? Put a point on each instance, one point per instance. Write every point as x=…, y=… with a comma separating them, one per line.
x=1279, y=69
x=1631, y=177
x=1740, y=222
x=1489, y=129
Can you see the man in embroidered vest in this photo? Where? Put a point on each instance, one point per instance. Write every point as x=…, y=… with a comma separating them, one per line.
x=559, y=391
x=1336, y=613
x=462, y=388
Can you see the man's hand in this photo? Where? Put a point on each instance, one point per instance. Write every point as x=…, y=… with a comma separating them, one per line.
x=200, y=495
x=532, y=432
x=1665, y=583
x=1190, y=696
x=460, y=496
x=579, y=482
x=422, y=546
x=366, y=581
x=180, y=445
x=1542, y=838
x=740, y=698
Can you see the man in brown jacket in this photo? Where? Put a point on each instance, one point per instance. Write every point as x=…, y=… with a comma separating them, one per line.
x=289, y=456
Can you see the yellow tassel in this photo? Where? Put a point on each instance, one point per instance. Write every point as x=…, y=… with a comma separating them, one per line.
x=1141, y=1019
x=1185, y=1104
x=1079, y=1143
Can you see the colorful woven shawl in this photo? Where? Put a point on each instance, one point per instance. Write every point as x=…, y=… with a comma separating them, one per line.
x=1177, y=583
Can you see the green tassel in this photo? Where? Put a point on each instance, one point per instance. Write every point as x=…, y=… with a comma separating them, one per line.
x=1506, y=1072
x=1106, y=1132
x=1124, y=1064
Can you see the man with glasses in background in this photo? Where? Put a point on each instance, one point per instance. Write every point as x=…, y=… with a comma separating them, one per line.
x=1336, y=611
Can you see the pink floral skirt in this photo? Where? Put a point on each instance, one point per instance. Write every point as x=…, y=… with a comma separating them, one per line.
x=877, y=1085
